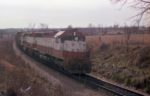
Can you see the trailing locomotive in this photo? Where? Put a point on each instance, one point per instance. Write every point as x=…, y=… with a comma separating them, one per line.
x=65, y=49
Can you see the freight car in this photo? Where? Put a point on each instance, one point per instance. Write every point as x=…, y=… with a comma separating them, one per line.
x=66, y=49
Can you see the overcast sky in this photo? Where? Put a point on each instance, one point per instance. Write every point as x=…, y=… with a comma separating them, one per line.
x=61, y=13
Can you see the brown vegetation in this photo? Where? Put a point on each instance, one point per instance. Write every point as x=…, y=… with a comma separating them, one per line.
x=95, y=41
x=111, y=60
x=18, y=79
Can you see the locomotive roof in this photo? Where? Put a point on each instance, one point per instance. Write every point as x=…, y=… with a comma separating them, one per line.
x=67, y=33
x=55, y=34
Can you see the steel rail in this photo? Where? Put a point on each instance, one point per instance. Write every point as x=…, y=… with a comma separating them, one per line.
x=119, y=91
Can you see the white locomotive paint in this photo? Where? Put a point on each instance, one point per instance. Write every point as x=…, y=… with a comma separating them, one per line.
x=46, y=42
x=74, y=46
x=29, y=39
x=74, y=33
x=55, y=43
x=59, y=33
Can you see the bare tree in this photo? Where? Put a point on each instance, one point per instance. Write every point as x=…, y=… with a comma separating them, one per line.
x=90, y=28
x=69, y=27
x=127, y=35
x=142, y=6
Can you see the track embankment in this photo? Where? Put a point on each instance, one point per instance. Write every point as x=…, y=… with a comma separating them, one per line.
x=70, y=87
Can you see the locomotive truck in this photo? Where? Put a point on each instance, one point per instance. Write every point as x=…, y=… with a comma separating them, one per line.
x=65, y=49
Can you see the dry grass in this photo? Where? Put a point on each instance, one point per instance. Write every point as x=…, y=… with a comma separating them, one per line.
x=94, y=42
x=128, y=67
x=18, y=77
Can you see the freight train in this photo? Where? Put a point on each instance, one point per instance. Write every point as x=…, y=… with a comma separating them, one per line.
x=65, y=49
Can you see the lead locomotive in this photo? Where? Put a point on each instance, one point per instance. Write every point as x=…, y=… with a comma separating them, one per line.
x=66, y=49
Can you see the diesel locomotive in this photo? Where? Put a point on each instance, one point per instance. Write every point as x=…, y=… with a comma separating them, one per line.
x=65, y=49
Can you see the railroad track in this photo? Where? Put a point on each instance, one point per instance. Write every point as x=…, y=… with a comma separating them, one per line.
x=90, y=81
x=99, y=84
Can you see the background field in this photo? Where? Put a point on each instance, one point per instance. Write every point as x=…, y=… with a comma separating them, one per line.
x=125, y=61
x=135, y=39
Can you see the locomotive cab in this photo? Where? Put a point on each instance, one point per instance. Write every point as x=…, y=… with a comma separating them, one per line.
x=75, y=53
